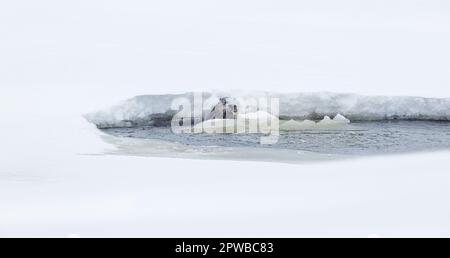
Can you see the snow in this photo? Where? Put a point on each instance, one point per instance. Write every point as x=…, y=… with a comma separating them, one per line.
x=293, y=125
x=341, y=119
x=295, y=105
x=101, y=195
x=326, y=123
x=143, y=47
x=62, y=60
x=260, y=121
x=54, y=181
x=258, y=115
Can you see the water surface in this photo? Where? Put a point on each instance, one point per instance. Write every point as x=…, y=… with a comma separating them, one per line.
x=365, y=138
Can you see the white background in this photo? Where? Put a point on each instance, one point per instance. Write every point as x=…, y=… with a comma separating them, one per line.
x=115, y=47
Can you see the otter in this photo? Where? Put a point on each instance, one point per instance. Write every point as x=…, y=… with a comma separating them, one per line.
x=225, y=109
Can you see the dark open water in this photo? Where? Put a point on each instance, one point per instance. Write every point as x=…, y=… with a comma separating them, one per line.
x=363, y=138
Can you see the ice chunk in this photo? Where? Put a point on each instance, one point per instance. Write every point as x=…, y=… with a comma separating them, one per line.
x=293, y=125
x=326, y=122
x=259, y=115
x=341, y=119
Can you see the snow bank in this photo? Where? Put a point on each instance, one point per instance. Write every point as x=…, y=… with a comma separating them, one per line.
x=150, y=109
x=50, y=187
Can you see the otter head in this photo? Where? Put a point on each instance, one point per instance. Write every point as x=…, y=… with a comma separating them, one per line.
x=226, y=109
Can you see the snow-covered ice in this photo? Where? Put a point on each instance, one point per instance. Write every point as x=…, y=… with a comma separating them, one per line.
x=295, y=105
x=55, y=181
x=326, y=122
x=62, y=59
